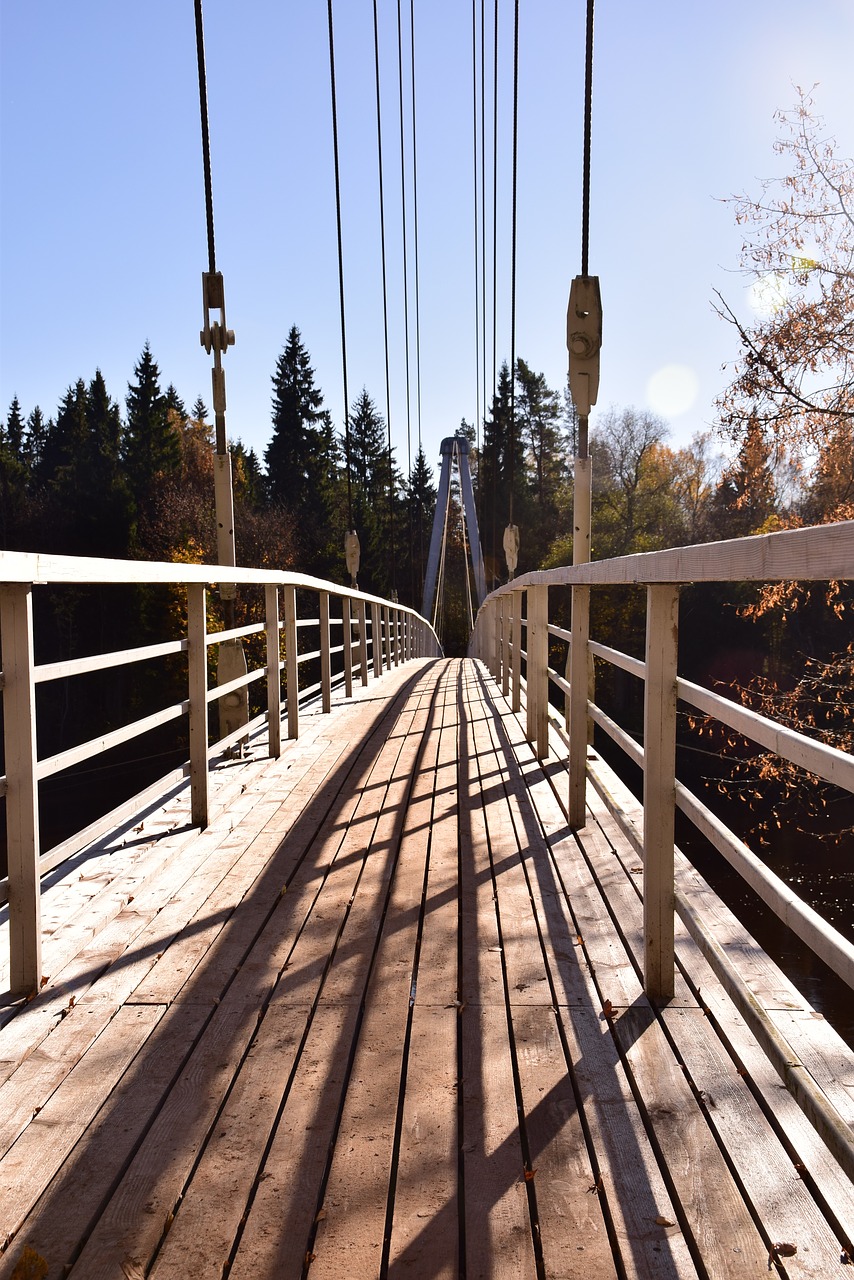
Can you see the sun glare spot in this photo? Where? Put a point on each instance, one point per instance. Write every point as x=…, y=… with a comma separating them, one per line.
x=672, y=390
x=769, y=293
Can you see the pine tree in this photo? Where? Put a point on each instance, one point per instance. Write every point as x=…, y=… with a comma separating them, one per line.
x=151, y=447
x=421, y=503
x=15, y=430
x=302, y=457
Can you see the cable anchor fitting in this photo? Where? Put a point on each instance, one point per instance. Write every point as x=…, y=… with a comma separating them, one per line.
x=584, y=341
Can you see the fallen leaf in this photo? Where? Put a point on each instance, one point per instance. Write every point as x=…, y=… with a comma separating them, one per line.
x=597, y=1186
x=30, y=1266
x=529, y=1175
x=608, y=1009
x=784, y=1249
x=664, y=1222
x=321, y=1214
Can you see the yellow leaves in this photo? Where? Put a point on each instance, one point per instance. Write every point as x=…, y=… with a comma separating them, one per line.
x=30, y=1266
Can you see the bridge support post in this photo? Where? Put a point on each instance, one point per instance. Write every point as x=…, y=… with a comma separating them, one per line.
x=291, y=661
x=274, y=683
x=659, y=788
x=538, y=652
x=325, y=657
x=197, y=664
x=22, y=800
x=386, y=614
x=580, y=630
x=516, y=651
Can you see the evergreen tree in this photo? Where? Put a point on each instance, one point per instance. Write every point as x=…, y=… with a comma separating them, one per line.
x=175, y=403
x=302, y=457
x=151, y=447
x=377, y=510
x=421, y=504
x=34, y=441
x=200, y=410
x=15, y=430
x=746, y=497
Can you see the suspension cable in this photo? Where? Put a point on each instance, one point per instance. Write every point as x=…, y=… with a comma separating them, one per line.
x=483, y=207
x=415, y=583
x=477, y=317
x=206, y=140
x=340, y=267
x=415, y=219
x=495, y=202
x=588, y=105
x=385, y=302
x=513, y=258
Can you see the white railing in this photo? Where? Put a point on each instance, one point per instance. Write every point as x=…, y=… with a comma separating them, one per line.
x=521, y=609
x=375, y=635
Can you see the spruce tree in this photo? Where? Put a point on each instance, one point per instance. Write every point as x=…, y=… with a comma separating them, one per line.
x=301, y=458
x=200, y=410
x=15, y=430
x=151, y=447
x=421, y=503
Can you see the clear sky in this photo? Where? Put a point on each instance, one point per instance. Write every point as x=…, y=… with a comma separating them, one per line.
x=103, y=233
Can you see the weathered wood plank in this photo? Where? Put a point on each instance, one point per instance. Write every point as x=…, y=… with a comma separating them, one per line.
x=711, y=1206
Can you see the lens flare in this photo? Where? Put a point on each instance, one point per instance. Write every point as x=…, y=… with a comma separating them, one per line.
x=672, y=390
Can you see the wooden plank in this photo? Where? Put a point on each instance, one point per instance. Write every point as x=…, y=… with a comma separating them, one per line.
x=626, y=1174
x=778, y=1195
x=41, y=1149
x=659, y=795
x=708, y=1196
x=213, y=1204
x=498, y=1228
x=573, y=1230
x=349, y=1237
x=426, y=1225
x=68, y=1209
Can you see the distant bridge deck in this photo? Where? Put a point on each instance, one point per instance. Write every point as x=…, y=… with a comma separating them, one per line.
x=384, y=1018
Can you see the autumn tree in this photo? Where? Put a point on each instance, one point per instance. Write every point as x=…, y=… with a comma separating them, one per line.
x=794, y=379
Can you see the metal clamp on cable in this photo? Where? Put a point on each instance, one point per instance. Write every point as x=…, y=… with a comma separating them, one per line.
x=584, y=341
x=215, y=337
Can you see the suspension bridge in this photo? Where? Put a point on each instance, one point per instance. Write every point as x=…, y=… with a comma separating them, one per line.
x=393, y=976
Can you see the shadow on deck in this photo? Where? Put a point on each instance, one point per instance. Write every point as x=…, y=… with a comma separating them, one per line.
x=384, y=1018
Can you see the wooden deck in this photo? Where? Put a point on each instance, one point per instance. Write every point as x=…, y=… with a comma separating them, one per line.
x=383, y=1018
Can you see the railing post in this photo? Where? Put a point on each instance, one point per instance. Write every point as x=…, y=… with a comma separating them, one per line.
x=516, y=653
x=538, y=653
x=580, y=630
x=325, y=659
x=396, y=615
x=197, y=670
x=22, y=799
x=274, y=685
x=659, y=788
x=347, y=641
x=495, y=640
x=506, y=604
x=291, y=661
x=376, y=642
x=362, y=619
x=387, y=636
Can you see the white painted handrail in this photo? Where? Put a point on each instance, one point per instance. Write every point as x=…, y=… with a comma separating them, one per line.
x=818, y=553
x=396, y=634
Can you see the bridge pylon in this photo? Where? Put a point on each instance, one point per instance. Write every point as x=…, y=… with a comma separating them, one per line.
x=454, y=453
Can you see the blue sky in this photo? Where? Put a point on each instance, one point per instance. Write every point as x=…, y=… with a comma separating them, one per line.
x=102, y=238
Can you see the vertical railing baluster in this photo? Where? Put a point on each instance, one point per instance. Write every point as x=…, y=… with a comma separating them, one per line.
x=515, y=650
x=325, y=657
x=506, y=641
x=197, y=674
x=659, y=788
x=22, y=801
x=362, y=616
x=347, y=633
x=376, y=642
x=274, y=680
x=580, y=630
x=538, y=679
x=291, y=661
